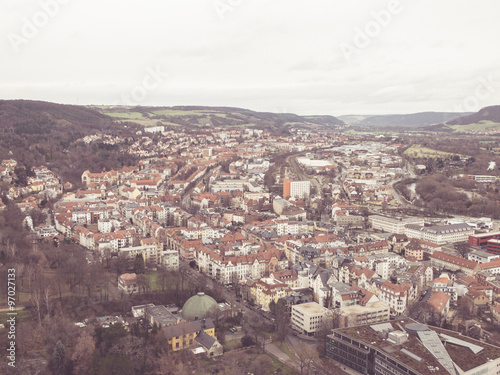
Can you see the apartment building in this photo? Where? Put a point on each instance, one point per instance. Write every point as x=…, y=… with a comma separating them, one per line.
x=396, y=296
x=309, y=318
x=267, y=290
x=148, y=252
x=300, y=189
x=169, y=259
x=355, y=315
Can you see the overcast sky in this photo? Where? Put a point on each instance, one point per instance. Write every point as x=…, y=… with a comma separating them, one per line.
x=333, y=57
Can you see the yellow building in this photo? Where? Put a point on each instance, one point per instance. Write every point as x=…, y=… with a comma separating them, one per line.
x=266, y=290
x=36, y=186
x=182, y=335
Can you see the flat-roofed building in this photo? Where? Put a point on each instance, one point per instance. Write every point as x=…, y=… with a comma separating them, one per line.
x=355, y=315
x=493, y=246
x=405, y=347
x=169, y=259
x=161, y=316
x=301, y=189
x=480, y=256
x=309, y=318
x=149, y=254
x=483, y=238
x=393, y=225
x=440, y=234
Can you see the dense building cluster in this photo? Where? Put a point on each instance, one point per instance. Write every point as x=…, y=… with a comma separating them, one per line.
x=301, y=218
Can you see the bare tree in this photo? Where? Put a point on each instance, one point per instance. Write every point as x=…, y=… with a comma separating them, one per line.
x=420, y=311
x=46, y=298
x=217, y=292
x=36, y=300
x=82, y=355
x=32, y=271
x=326, y=366
x=143, y=283
x=135, y=348
x=236, y=283
x=325, y=329
x=463, y=248
x=162, y=280
x=465, y=308
x=254, y=327
x=305, y=356
x=281, y=319
x=262, y=364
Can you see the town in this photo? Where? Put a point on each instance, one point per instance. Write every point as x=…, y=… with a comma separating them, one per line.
x=308, y=247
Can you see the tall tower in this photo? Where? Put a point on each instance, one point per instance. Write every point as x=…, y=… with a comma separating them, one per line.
x=286, y=187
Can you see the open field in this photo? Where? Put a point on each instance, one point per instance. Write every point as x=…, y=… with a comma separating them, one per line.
x=170, y=282
x=20, y=317
x=253, y=354
x=125, y=115
x=149, y=122
x=174, y=112
x=390, y=132
x=425, y=152
x=479, y=127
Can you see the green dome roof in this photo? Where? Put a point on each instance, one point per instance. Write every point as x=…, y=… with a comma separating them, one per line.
x=198, y=306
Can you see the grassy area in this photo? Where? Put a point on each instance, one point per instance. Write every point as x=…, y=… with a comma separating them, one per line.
x=390, y=132
x=232, y=344
x=425, y=152
x=21, y=316
x=125, y=115
x=23, y=297
x=174, y=112
x=284, y=348
x=479, y=127
x=171, y=282
x=280, y=368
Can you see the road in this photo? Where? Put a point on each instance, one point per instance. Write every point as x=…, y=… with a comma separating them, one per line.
x=402, y=200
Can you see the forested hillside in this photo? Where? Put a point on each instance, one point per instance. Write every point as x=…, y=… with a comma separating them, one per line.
x=36, y=133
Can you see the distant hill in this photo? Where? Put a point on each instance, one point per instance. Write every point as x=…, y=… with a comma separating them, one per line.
x=491, y=114
x=201, y=116
x=324, y=120
x=353, y=119
x=409, y=120
x=35, y=132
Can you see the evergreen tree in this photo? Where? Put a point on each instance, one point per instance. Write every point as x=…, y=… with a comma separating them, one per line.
x=139, y=264
x=58, y=360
